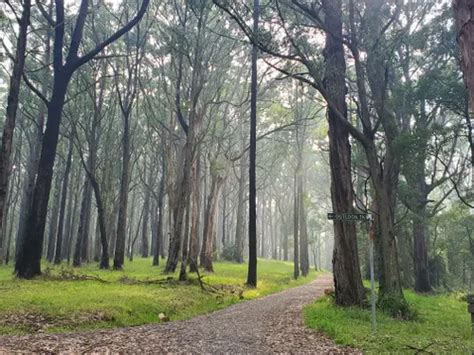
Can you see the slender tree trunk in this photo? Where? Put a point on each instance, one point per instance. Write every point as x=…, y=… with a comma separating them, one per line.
x=262, y=227
x=239, y=227
x=182, y=195
x=252, y=269
x=304, y=253
x=123, y=196
x=185, y=252
x=80, y=251
x=224, y=211
x=62, y=209
x=159, y=227
x=296, y=248
x=53, y=222
x=422, y=275
x=146, y=207
x=11, y=110
x=195, y=216
x=131, y=218
x=210, y=223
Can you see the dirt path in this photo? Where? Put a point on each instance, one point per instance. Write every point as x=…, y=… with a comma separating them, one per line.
x=270, y=324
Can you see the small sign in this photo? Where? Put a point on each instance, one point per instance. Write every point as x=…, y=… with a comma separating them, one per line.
x=349, y=217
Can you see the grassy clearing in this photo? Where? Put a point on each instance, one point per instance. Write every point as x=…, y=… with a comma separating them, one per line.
x=443, y=326
x=47, y=305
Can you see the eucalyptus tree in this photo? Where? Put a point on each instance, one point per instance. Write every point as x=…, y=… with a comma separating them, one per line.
x=11, y=111
x=91, y=162
x=252, y=225
x=431, y=152
x=293, y=46
x=463, y=16
x=224, y=120
x=28, y=262
x=196, y=53
x=126, y=77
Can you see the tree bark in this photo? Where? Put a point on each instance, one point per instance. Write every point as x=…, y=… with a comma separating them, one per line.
x=159, y=226
x=252, y=269
x=210, y=222
x=53, y=221
x=123, y=195
x=464, y=18
x=240, y=223
x=296, y=248
x=11, y=111
x=195, y=216
x=146, y=207
x=84, y=223
x=347, y=278
x=62, y=209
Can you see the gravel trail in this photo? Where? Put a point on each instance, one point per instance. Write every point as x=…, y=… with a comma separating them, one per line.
x=267, y=325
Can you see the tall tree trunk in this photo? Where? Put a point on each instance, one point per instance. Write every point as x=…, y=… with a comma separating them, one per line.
x=11, y=110
x=146, y=207
x=346, y=270
x=464, y=17
x=422, y=275
x=185, y=252
x=384, y=175
x=262, y=227
x=123, y=195
x=28, y=263
x=159, y=226
x=53, y=222
x=240, y=223
x=84, y=223
x=71, y=211
x=62, y=209
x=224, y=220
x=304, y=252
x=210, y=222
x=296, y=248
x=195, y=216
x=252, y=269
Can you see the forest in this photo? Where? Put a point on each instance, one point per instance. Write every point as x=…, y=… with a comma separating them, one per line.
x=164, y=159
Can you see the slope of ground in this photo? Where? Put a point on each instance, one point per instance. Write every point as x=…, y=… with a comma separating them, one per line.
x=443, y=326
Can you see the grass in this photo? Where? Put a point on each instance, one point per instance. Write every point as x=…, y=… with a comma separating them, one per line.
x=49, y=305
x=443, y=326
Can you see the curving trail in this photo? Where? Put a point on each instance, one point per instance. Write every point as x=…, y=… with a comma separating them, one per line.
x=267, y=325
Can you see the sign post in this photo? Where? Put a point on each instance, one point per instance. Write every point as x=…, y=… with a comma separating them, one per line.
x=354, y=217
x=372, y=275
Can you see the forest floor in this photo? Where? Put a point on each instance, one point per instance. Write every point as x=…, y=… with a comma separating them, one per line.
x=442, y=326
x=269, y=324
x=67, y=299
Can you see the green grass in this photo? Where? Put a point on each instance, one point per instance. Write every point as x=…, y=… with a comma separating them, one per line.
x=78, y=305
x=443, y=326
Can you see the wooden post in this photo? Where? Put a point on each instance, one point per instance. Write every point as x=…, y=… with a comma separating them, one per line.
x=470, y=308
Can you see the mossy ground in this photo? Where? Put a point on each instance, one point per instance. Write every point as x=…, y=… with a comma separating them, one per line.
x=443, y=325
x=52, y=304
